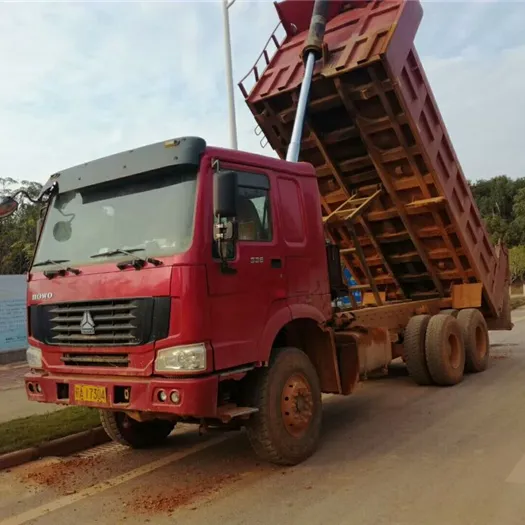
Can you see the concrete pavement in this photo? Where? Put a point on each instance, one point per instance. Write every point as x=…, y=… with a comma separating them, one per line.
x=393, y=453
x=13, y=400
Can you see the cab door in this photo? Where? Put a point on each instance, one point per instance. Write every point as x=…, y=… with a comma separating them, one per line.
x=242, y=299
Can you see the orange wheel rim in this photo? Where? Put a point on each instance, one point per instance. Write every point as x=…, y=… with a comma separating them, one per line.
x=297, y=405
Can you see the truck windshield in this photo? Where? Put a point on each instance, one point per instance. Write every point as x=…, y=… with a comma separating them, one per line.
x=153, y=211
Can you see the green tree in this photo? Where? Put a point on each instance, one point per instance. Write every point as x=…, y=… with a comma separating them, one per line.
x=501, y=201
x=18, y=232
x=517, y=263
x=518, y=208
x=497, y=228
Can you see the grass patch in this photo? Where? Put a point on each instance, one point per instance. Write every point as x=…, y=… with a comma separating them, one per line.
x=34, y=430
x=517, y=302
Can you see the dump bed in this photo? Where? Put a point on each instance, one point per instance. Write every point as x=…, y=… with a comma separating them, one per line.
x=394, y=197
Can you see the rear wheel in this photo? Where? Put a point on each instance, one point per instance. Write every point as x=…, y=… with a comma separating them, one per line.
x=286, y=429
x=445, y=351
x=414, y=349
x=476, y=339
x=135, y=434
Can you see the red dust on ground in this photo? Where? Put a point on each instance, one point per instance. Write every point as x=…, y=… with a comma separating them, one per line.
x=169, y=500
x=61, y=474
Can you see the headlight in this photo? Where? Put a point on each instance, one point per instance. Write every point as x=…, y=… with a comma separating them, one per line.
x=181, y=358
x=34, y=357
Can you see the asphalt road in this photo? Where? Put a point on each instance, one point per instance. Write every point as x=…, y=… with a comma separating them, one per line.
x=393, y=453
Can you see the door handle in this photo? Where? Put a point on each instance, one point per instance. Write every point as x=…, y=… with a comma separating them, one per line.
x=276, y=263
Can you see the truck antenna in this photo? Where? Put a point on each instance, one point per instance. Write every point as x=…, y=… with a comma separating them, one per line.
x=312, y=51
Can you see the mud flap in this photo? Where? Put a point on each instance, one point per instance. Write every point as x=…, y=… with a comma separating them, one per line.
x=504, y=321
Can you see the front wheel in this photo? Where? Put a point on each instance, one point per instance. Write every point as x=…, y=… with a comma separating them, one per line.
x=135, y=434
x=287, y=427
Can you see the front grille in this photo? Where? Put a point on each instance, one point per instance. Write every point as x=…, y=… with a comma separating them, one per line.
x=106, y=360
x=112, y=322
x=103, y=323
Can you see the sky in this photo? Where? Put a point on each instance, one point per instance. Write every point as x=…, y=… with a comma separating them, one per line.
x=83, y=80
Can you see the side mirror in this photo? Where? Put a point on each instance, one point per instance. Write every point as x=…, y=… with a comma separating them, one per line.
x=225, y=212
x=225, y=194
x=8, y=206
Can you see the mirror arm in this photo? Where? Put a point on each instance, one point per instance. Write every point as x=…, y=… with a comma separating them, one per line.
x=46, y=191
x=225, y=267
x=49, y=190
x=26, y=195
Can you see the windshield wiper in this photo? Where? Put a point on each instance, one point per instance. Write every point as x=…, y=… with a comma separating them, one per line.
x=58, y=262
x=137, y=262
x=118, y=251
x=50, y=261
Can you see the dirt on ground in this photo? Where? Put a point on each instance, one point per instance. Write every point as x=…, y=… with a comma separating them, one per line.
x=172, y=498
x=62, y=475
x=194, y=485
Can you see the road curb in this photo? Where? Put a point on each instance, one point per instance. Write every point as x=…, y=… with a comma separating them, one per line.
x=13, y=356
x=58, y=447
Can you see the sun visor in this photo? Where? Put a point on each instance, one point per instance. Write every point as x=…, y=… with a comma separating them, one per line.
x=175, y=152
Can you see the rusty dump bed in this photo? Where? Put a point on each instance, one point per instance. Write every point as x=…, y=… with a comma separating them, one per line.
x=394, y=196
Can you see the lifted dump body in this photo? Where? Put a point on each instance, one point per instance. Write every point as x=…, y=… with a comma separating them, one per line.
x=394, y=197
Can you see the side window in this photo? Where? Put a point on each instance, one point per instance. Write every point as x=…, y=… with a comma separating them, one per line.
x=254, y=220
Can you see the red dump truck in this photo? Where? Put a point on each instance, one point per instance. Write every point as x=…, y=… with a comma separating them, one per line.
x=184, y=282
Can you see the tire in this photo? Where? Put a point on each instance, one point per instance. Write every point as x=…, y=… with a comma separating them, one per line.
x=476, y=340
x=276, y=432
x=450, y=311
x=445, y=350
x=131, y=433
x=414, y=349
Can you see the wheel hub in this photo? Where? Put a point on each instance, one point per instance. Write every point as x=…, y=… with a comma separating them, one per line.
x=297, y=405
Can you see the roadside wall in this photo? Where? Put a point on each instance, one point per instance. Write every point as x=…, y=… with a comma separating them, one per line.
x=13, y=318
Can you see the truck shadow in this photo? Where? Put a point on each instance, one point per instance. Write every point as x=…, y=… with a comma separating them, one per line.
x=350, y=431
x=378, y=421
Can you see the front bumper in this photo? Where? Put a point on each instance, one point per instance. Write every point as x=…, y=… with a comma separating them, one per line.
x=198, y=396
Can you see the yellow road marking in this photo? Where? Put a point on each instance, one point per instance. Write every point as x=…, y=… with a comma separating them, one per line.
x=64, y=501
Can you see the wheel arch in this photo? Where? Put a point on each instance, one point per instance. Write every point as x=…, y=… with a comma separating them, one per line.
x=306, y=334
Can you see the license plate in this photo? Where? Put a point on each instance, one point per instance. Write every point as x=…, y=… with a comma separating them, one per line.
x=91, y=394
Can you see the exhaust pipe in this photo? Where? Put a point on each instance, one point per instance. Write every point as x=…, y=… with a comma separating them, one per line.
x=312, y=51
